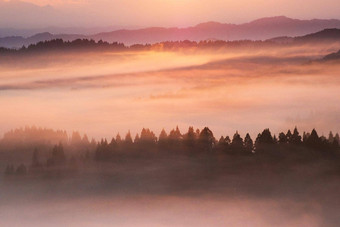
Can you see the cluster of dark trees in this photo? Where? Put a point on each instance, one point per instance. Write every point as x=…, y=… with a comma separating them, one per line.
x=193, y=142
x=85, y=44
x=60, y=45
x=196, y=141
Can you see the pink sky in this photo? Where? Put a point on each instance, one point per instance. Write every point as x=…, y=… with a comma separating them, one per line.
x=157, y=12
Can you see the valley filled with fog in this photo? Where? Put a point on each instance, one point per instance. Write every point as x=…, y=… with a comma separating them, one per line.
x=103, y=93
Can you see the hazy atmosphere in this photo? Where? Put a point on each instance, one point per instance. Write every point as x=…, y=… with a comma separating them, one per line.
x=165, y=13
x=162, y=113
x=105, y=93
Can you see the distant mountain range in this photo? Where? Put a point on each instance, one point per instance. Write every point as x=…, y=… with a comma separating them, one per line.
x=265, y=28
x=5, y=31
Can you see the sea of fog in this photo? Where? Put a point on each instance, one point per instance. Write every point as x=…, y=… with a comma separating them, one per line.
x=102, y=94
x=160, y=211
x=176, y=191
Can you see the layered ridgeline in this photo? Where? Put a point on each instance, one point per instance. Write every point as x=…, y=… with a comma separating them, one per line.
x=327, y=36
x=261, y=29
x=68, y=152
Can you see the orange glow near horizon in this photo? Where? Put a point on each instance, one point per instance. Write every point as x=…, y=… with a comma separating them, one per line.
x=104, y=94
x=173, y=12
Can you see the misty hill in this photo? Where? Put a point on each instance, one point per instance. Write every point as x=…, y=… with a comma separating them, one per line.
x=19, y=41
x=329, y=34
x=261, y=29
x=332, y=56
x=326, y=34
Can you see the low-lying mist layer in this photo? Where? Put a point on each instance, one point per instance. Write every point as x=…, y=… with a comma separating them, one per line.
x=176, y=189
x=240, y=89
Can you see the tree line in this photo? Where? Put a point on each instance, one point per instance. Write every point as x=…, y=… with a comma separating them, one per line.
x=193, y=142
x=90, y=44
x=198, y=141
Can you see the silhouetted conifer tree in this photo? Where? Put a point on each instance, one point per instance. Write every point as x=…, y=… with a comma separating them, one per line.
x=313, y=141
x=128, y=138
x=236, y=143
x=305, y=137
x=118, y=139
x=221, y=144
x=175, y=134
x=282, y=138
x=263, y=140
x=289, y=136
x=163, y=140
x=248, y=144
x=175, y=139
x=295, y=137
x=189, y=139
x=147, y=140
x=206, y=140
x=336, y=141
x=128, y=143
x=110, y=148
x=265, y=137
x=224, y=144
x=330, y=137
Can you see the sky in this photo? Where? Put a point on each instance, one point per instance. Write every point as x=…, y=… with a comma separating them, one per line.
x=137, y=13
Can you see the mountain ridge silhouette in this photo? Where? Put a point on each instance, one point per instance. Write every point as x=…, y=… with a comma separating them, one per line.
x=260, y=29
